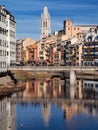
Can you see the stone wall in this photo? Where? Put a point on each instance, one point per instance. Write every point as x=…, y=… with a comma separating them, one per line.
x=4, y=80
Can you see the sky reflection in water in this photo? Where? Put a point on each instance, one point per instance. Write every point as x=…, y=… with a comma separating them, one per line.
x=40, y=117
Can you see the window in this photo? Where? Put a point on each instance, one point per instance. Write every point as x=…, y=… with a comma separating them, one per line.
x=12, y=24
x=96, y=85
x=43, y=24
x=0, y=42
x=41, y=52
x=41, y=58
x=56, y=56
x=42, y=46
x=77, y=58
x=12, y=34
x=85, y=84
x=46, y=24
x=7, y=53
x=41, y=83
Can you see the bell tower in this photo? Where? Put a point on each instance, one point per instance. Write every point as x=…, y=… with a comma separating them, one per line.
x=45, y=23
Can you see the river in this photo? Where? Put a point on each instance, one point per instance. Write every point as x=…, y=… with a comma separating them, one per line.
x=52, y=104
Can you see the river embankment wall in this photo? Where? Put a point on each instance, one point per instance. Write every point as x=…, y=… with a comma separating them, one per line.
x=5, y=80
x=8, y=85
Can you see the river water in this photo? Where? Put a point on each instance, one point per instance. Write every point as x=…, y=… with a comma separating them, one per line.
x=52, y=104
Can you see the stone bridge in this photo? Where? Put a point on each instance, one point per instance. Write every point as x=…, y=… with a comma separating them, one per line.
x=54, y=68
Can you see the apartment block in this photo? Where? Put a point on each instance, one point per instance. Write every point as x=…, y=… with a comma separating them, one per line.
x=7, y=38
x=32, y=53
x=90, y=48
x=45, y=47
x=74, y=55
x=21, y=49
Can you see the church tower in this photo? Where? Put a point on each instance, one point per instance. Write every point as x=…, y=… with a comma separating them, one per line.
x=45, y=23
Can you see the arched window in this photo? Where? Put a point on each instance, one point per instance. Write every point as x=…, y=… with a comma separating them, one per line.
x=43, y=24
x=46, y=23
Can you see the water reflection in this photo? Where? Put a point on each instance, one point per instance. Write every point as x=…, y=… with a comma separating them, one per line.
x=50, y=88
x=7, y=115
x=61, y=88
x=52, y=104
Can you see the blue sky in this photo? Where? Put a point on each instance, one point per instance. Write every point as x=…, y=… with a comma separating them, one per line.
x=27, y=14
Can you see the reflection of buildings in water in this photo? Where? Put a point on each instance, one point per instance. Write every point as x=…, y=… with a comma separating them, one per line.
x=79, y=94
x=72, y=83
x=82, y=89
x=7, y=115
x=31, y=89
x=74, y=91
x=71, y=109
x=53, y=87
x=70, y=89
x=58, y=87
x=46, y=110
x=67, y=88
x=90, y=89
x=36, y=88
x=62, y=86
x=91, y=109
x=77, y=89
x=43, y=89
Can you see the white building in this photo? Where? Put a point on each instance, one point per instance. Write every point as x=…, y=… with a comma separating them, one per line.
x=45, y=23
x=7, y=38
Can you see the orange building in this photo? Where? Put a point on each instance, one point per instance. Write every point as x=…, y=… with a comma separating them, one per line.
x=71, y=30
x=31, y=89
x=31, y=53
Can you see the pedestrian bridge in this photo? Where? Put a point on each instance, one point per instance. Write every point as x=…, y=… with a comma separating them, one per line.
x=54, y=68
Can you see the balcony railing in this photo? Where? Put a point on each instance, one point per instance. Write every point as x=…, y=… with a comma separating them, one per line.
x=89, y=46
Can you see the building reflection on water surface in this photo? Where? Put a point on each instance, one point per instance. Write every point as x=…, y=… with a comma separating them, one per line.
x=55, y=90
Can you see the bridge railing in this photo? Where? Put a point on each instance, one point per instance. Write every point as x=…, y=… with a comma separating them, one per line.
x=52, y=68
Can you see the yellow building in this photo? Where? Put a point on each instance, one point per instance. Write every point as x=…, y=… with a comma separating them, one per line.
x=21, y=51
x=27, y=42
x=44, y=46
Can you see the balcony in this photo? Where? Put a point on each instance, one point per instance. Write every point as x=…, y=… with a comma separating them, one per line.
x=47, y=50
x=96, y=53
x=58, y=49
x=96, y=45
x=31, y=51
x=58, y=44
x=89, y=46
x=88, y=53
x=47, y=54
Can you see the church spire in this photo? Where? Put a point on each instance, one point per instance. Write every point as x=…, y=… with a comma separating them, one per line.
x=45, y=23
